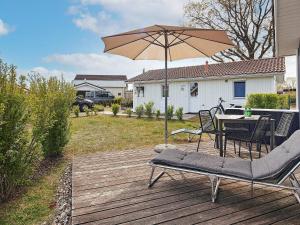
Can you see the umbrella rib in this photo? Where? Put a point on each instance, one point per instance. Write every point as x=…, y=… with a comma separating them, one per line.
x=176, y=37
x=143, y=38
x=146, y=47
x=210, y=40
x=179, y=42
x=194, y=47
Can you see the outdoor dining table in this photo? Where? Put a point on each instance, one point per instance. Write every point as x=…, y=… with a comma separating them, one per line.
x=239, y=119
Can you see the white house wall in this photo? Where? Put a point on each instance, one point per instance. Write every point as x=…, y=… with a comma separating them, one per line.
x=209, y=92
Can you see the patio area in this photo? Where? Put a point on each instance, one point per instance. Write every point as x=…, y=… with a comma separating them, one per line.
x=111, y=188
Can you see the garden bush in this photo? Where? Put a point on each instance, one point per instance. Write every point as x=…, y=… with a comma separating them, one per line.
x=170, y=112
x=51, y=101
x=76, y=110
x=118, y=100
x=149, y=109
x=139, y=110
x=18, y=149
x=128, y=112
x=157, y=114
x=87, y=110
x=179, y=113
x=268, y=101
x=127, y=103
x=98, y=108
x=115, y=108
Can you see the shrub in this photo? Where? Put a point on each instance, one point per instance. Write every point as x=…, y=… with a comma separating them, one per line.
x=115, y=109
x=179, y=113
x=98, y=108
x=126, y=102
x=128, y=112
x=54, y=98
x=87, y=110
x=268, y=101
x=76, y=110
x=170, y=112
x=149, y=109
x=18, y=148
x=157, y=114
x=139, y=110
x=118, y=100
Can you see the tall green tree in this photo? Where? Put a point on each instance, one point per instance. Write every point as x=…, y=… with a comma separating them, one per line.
x=249, y=24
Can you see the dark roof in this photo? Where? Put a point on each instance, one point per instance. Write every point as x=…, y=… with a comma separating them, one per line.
x=100, y=77
x=247, y=67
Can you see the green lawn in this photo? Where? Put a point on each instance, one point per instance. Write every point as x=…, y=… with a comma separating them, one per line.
x=89, y=134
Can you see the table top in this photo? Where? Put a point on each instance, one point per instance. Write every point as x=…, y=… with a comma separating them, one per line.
x=236, y=117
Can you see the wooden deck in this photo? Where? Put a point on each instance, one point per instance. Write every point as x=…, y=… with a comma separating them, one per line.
x=111, y=188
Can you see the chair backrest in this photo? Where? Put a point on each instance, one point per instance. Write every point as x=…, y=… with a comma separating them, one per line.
x=207, y=123
x=284, y=124
x=214, y=111
x=261, y=128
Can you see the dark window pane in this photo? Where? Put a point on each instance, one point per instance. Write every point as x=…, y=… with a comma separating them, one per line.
x=239, y=89
x=194, y=89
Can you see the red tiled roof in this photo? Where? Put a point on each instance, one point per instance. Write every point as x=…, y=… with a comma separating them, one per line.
x=100, y=77
x=247, y=67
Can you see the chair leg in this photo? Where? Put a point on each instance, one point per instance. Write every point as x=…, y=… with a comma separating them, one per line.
x=296, y=185
x=199, y=142
x=259, y=150
x=266, y=145
x=250, y=150
x=240, y=143
x=234, y=147
x=225, y=146
x=215, y=182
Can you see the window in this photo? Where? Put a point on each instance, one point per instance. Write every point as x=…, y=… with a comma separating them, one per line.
x=89, y=94
x=194, y=89
x=163, y=91
x=140, y=91
x=240, y=89
x=101, y=94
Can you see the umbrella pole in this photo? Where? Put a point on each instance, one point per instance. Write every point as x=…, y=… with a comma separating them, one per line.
x=166, y=89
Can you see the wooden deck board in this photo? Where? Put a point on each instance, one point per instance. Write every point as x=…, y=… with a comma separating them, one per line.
x=111, y=188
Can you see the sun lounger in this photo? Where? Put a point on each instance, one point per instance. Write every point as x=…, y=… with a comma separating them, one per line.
x=270, y=170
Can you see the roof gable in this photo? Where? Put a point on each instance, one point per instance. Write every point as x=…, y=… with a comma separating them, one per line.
x=247, y=67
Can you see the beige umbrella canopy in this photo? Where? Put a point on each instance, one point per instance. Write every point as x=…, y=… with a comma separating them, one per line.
x=160, y=42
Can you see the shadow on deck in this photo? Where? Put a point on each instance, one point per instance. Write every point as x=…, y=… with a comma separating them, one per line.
x=111, y=188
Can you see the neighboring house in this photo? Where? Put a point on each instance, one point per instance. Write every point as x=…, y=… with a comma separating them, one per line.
x=88, y=85
x=200, y=87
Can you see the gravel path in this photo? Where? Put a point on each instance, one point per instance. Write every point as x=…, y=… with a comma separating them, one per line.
x=64, y=199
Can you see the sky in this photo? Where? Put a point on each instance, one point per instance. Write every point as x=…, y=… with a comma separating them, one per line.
x=56, y=37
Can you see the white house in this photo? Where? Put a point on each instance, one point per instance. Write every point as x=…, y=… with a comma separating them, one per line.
x=199, y=87
x=88, y=85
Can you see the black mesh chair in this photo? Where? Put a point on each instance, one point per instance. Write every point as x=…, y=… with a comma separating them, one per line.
x=284, y=126
x=258, y=136
x=207, y=122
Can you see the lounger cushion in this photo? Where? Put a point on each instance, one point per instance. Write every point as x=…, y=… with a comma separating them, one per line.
x=205, y=163
x=278, y=161
x=271, y=167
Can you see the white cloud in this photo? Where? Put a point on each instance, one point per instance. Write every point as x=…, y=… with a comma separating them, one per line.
x=107, y=64
x=4, y=28
x=43, y=71
x=116, y=16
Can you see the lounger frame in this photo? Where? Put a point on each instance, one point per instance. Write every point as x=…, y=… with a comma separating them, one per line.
x=215, y=179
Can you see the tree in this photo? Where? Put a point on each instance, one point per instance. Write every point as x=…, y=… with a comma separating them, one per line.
x=249, y=24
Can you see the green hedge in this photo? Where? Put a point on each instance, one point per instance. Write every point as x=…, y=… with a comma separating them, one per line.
x=268, y=101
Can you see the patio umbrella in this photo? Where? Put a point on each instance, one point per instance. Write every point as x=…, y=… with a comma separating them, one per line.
x=161, y=42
